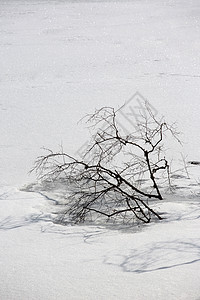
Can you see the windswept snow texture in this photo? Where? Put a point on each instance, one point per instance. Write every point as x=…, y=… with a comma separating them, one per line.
x=60, y=60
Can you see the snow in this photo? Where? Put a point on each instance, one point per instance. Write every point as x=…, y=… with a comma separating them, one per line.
x=42, y=260
x=59, y=61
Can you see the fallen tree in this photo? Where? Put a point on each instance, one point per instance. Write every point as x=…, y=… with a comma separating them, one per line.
x=117, y=175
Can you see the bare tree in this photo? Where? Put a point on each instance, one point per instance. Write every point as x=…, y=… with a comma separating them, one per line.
x=118, y=173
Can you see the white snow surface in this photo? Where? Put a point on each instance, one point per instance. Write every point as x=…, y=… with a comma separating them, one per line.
x=60, y=60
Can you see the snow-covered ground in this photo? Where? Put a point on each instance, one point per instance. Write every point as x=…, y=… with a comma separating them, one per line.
x=60, y=60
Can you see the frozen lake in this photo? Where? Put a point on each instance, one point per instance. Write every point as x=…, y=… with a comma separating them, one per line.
x=62, y=59
x=59, y=60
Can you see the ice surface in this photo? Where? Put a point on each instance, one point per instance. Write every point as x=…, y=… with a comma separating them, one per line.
x=62, y=59
x=59, y=61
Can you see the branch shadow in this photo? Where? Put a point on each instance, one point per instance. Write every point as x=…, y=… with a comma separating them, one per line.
x=11, y=222
x=158, y=256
